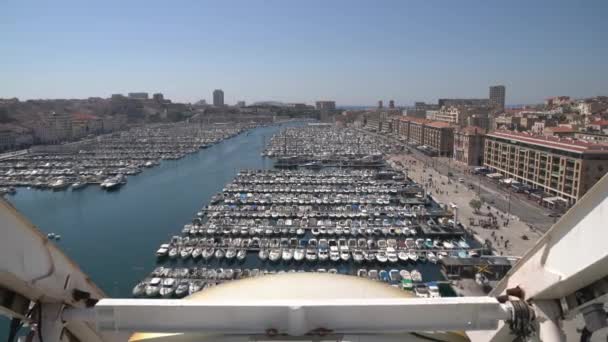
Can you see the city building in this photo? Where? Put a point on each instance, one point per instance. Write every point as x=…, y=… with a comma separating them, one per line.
x=432, y=137
x=429, y=114
x=464, y=102
x=14, y=137
x=85, y=124
x=598, y=126
x=218, y=98
x=590, y=107
x=452, y=114
x=391, y=104
x=138, y=96
x=557, y=101
x=7, y=139
x=592, y=137
x=113, y=123
x=497, y=97
x=380, y=104
x=457, y=115
x=485, y=121
x=54, y=128
x=158, y=97
x=468, y=145
x=561, y=168
x=201, y=103
x=298, y=105
x=325, y=105
x=560, y=131
x=421, y=110
x=380, y=121
x=240, y=104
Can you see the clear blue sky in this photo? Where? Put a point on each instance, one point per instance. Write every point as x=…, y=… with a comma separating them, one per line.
x=354, y=52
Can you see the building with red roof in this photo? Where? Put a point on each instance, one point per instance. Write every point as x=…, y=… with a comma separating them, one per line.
x=560, y=167
x=598, y=125
x=432, y=137
x=560, y=131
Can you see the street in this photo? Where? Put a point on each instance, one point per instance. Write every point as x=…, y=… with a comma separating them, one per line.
x=488, y=191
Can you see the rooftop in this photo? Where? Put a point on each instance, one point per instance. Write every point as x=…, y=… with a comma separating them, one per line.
x=561, y=129
x=81, y=116
x=471, y=130
x=439, y=124
x=571, y=145
x=413, y=119
x=600, y=123
x=427, y=122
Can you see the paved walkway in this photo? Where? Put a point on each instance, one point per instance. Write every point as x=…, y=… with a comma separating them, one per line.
x=528, y=211
x=511, y=236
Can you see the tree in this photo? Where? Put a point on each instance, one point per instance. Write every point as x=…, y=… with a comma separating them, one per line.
x=475, y=204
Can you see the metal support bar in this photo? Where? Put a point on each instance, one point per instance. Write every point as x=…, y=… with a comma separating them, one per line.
x=549, y=315
x=295, y=317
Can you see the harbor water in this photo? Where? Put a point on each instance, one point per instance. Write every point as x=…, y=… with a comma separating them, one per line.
x=113, y=235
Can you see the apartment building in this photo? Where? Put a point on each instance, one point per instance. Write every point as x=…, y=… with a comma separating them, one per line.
x=458, y=115
x=218, y=98
x=325, y=105
x=464, y=102
x=468, y=145
x=563, y=168
x=435, y=137
x=85, y=124
x=139, y=96
x=497, y=96
x=54, y=128
x=379, y=121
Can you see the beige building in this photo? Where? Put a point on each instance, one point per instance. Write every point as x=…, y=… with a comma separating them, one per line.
x=433, y=137
x=562, y=168
x=113, y=123
x=468, y=145
x=590, y=107
x=379, y=121
x=85, y=124
x=557, y=101
x=457, y=115
x=451, y=114
x=7, y=139
x=54, y=128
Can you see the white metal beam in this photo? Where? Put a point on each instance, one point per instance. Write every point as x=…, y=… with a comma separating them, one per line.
x=570, y=256
x=294, y=317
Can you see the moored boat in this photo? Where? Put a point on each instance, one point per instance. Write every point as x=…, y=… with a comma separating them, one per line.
x=140, y=289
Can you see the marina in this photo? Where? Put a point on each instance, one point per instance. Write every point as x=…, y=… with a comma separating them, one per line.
x=320, y=145
x=108, y=160
x=368, y=222
x=113, y=234
x=253, y=219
